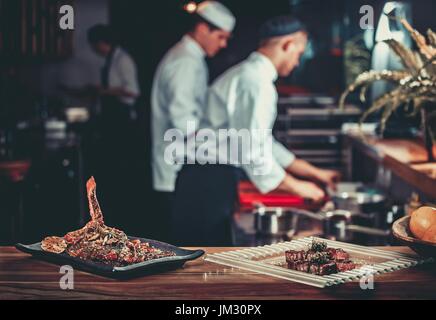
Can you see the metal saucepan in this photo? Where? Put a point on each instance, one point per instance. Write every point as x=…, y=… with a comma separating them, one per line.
x=280, y=221
x=341, y=225
x=274, y=221
x=359, y=201
x=348, y=226
x=363, y=200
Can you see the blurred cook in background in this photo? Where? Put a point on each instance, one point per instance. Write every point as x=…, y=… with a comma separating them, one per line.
x=118, y=93
x=245, y=97
x=118, y=90
x=119, y=87
x=179, y=94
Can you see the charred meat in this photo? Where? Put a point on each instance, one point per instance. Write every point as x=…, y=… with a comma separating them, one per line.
x=100, y=243
x=319, y=259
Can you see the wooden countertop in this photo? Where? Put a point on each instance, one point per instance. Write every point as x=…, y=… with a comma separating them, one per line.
x=23, y=277
x=400, y=156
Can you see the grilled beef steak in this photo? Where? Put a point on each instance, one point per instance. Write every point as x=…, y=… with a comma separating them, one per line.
x=319, y=260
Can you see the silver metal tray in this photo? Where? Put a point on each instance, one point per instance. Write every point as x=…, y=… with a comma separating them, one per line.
x=270, y=260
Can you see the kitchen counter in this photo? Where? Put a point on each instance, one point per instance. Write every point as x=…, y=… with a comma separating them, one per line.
x=22, y=277
x=400, y=156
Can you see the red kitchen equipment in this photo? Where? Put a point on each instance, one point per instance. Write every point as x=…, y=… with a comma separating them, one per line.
x=275, y=214
x=250, y=197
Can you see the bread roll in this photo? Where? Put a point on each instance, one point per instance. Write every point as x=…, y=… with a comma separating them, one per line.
x=423, y=224
x=430, y=234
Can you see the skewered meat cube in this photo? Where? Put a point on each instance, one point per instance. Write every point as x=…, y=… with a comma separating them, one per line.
x=319, y=260
x=294, y=255
x=310, y=254
x=341, y=255
x=338, y=254
x=299, y=266
x=328, y=268
x=323, y=269
x=345, y=266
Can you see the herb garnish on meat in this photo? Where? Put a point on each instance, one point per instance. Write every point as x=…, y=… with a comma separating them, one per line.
x=318, y=246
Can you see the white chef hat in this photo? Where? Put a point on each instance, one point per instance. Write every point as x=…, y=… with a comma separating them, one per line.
x=217, y=14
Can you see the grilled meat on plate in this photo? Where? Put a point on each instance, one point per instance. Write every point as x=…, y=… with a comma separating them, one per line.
x=319, y=259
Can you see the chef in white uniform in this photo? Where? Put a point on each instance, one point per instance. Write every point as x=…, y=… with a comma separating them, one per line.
x=179, y=93
x=245, y=97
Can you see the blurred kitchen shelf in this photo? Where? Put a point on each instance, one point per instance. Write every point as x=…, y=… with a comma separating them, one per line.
x=324, y=112
x=310, y=126
x=30, y=30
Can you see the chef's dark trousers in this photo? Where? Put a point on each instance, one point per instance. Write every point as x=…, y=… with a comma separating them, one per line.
x=159, y=226
x=115, y=165
x=204, y=203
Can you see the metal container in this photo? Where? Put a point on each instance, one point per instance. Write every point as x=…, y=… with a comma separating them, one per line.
x=355, y=214
x=343, y=225
x=363, y=200
x=274, y=221
x=359, y=201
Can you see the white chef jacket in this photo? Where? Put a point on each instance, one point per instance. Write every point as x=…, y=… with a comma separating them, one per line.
x=178, y=96
x=245, y=97
x=123, y=74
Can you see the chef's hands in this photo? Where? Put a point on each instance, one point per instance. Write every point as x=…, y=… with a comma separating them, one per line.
x=328, y=177
x=303, y=169
x=309, y=190
x=304, y=189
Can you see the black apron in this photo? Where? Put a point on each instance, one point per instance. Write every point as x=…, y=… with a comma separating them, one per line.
x=114, y=152
x=204, y=203
x=115, y=115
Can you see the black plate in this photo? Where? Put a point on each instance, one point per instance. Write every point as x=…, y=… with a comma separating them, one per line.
x=134, y=270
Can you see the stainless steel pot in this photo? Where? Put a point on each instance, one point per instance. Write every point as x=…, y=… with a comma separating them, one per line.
x=363, y=200
x=353, y=215
x=348, y=226
x=274, y=221
x=359, y=201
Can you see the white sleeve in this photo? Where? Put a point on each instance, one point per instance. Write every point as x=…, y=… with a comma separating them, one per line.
x=129, y=78
x=259, y=163
x=283, y=156
x=186, y=93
